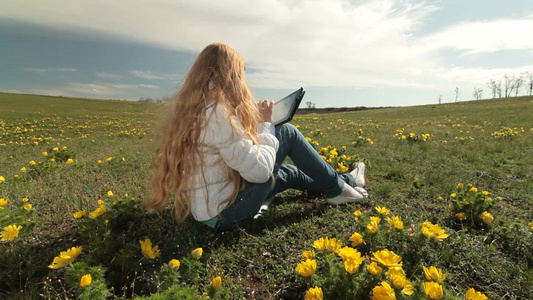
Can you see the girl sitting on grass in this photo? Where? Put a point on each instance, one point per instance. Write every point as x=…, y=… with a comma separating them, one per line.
x=221, y=156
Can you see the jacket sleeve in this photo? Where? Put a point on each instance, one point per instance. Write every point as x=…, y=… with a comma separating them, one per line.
x=254, y=163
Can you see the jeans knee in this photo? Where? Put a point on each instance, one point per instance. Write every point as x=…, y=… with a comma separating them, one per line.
x=286, y=129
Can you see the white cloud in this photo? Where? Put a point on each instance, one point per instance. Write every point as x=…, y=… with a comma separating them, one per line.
x=11, y=91
x=484, y=36
x=106, y=75
x=149, y=86
x=291, y=43
x=154, y=75
x=44, y=70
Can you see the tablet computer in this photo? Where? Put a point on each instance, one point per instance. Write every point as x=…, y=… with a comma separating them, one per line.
x=285, y=108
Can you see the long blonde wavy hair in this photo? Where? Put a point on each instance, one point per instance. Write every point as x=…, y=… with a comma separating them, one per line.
x=217, y=76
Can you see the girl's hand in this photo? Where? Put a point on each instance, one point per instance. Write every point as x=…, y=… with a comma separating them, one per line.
x=265, y=110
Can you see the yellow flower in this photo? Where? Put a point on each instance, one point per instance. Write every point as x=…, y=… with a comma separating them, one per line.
x=314, y=294
x=2, y=179
x=99, y=161
x=395, y=222
x=349, y=253
x=487, y=217
x=453, y=195
x=197, y=253
x=383, y=292
x=52, y=159
x=327, y=244
x=109, y=158
x=342, y=167
x=374, y=269
x=98, y=212
x=473, y=189
x=10, y=232
x=22, y=170
x=485, y=193
x=461, y=216
x=433, y=231
x=64, y=148
x=472, y=294
x=460, y=185
x=434, y=274
x=147, y=250
x=44, y=153
x=308, y=254
x=400, y=282
x=55, y=149
x=357, y=239
x=387, y=258
x=79, y=214
x=174, y=263
x=110, y=194
x=69, y=161
x=382, y=210
x=530, y=224
x=3, y=201
x=32, y=162
x=27, y=206
x=373, y=226
x=440, y=198
x=433, y=290
x=306, y=268
x=216, y=282
x=25, y=199
x=86, y=280
x=357, y=213
x=65, y=257
x=352, y=266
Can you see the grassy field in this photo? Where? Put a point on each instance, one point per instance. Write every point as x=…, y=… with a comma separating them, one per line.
x=485, y=145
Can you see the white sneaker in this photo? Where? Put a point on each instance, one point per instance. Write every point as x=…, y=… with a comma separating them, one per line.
x=344, y=199
x=359, y=174
x=263, y=208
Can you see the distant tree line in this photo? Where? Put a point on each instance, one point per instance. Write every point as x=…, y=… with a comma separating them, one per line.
x=508, y=86
x=511, y=84
x=156, y=100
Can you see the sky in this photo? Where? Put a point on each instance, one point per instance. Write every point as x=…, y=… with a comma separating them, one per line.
x=343, y=53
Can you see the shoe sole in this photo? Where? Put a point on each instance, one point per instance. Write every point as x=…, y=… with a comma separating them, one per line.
x=360, y=176
x=342, y=200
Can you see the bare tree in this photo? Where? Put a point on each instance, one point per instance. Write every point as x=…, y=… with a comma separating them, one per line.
x=499, y=88
x=509, y=84
x=518, y=84
x=529, y=83
x=456, y=93
x=492, y=87
x=440, y=99
x=310, y=105
x=478, y=93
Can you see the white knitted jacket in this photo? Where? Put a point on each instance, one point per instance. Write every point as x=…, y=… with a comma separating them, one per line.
x=221, y=148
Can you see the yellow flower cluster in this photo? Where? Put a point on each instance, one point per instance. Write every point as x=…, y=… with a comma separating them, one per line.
x=469, y=202
x=337, y=159
x=325, y=243
x=433, y=231
x=411, y=137
x=102, y=209
x=361, y=140
x=507, y=133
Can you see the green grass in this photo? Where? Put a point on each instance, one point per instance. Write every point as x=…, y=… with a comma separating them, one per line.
x=257, y=260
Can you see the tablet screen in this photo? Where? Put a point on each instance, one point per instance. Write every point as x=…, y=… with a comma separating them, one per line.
x=284, y=109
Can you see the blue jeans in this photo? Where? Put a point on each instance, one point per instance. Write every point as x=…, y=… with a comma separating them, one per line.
x=310, y=173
